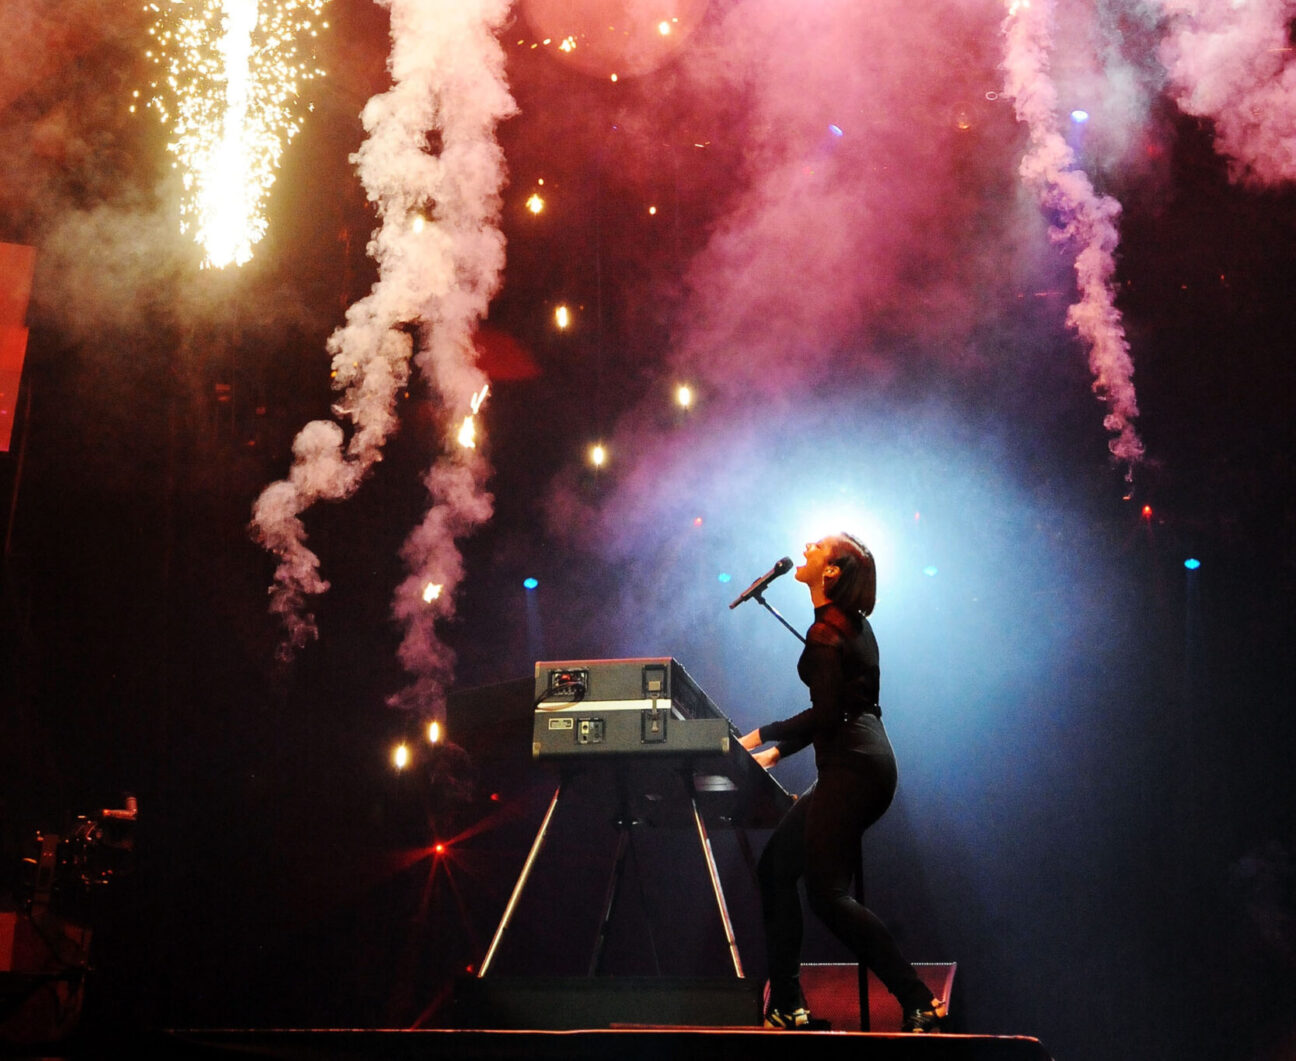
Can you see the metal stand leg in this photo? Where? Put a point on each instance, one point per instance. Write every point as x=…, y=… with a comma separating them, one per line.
x=609, y=902
x=521, y=883
x=715, y=885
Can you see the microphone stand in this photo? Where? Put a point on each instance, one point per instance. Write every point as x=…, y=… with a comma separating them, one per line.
x=760, y=596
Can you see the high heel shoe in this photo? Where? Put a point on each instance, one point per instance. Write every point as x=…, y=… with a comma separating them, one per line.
x=925, y=1020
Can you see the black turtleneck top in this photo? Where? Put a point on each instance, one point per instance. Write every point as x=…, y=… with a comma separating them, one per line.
x=840, y=667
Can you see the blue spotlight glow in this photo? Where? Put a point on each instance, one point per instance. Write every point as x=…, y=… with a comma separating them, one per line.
x=930, y=570
x=1192, y=564
x=1079, y=116
x=530, y=583
x=835, y=130
x=724, y=576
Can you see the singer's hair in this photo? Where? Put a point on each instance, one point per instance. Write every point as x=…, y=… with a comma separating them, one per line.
x=855, y=588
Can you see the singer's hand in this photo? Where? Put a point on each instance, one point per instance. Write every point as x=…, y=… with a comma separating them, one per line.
x=751, y=741
x=768, y=757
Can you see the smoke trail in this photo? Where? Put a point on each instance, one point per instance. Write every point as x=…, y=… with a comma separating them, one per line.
x=1082, y=218
x=440, y=254
x=1231, y=62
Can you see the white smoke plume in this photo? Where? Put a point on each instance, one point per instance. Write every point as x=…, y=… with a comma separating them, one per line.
x=1232, y=62
x=1082, y=218
x=440, y=254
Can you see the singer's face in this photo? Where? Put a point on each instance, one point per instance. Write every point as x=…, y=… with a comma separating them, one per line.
x=817, y=554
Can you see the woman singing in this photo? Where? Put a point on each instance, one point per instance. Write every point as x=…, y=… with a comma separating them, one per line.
x=820, y=836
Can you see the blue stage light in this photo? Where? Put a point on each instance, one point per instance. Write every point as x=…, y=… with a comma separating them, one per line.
x=1192, y=564
x=835, y=130
x=930, y=570
x=530, y=583
x=1079, y=116
x=724, y=576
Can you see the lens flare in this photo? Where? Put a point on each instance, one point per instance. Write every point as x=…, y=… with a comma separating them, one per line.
x=228, y=83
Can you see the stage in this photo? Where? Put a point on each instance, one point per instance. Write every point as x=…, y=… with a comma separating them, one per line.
x=621, y=1043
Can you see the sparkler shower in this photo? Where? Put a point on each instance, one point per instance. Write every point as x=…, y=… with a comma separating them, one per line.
x=230, y=75
x=439, y=253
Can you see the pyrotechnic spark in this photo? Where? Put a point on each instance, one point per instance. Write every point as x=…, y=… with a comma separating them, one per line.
x=467, y=436
x=468, y=432
x=433, y=287
x=229, y=78
x=1085, y=219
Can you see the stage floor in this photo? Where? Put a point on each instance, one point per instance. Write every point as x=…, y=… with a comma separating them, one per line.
x=622, y=1044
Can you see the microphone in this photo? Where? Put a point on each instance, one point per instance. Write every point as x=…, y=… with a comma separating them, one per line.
x=758, y=587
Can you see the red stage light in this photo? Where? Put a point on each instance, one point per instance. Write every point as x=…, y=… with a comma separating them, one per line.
x=1147, y=511
x=439, y=849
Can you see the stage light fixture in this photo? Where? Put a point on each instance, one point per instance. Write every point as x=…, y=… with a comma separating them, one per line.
x=400, y=756
x=1192, y=564
x=434, y=732
x=931, y=570
x=530, y=583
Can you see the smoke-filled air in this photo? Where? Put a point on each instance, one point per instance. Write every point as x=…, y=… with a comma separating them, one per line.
x=869, y=200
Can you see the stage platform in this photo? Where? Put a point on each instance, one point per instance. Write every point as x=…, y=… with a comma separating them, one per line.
x=622, y=1044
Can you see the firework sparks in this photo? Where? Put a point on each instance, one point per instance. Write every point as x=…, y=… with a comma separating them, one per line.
x=468, y=430
x=440, y=256
x=228, y=82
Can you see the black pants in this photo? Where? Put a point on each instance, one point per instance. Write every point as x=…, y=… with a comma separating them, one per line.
x=819, y=838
